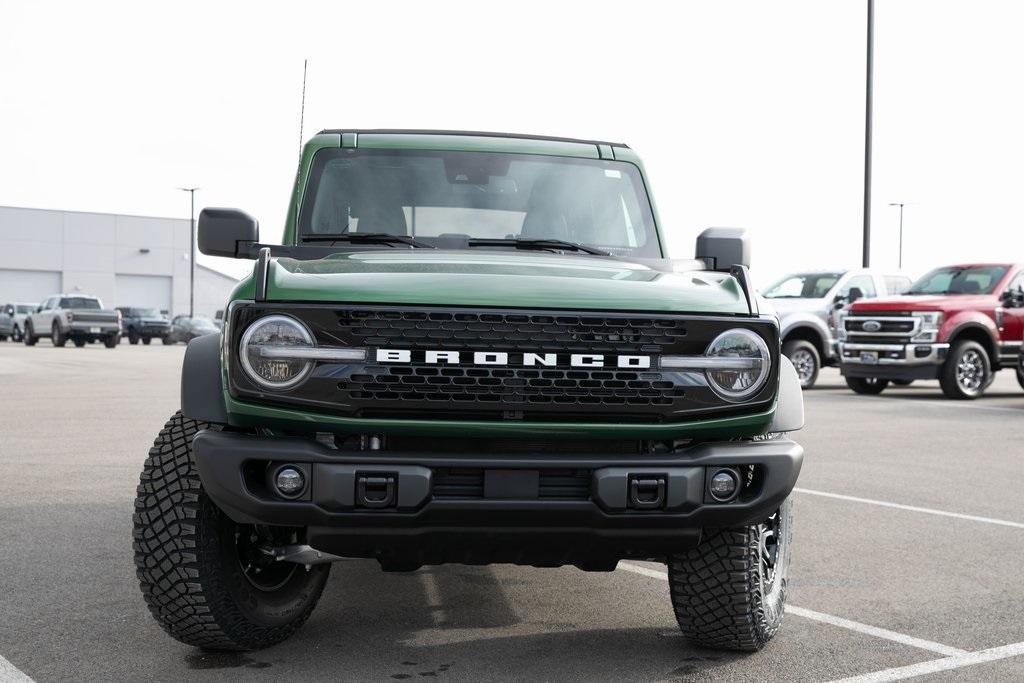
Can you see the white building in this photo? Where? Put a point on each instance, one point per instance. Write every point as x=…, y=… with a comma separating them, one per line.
x=124, y=260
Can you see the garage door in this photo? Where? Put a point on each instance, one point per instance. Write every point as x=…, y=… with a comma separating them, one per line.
x=143, y=291
x=28, y=286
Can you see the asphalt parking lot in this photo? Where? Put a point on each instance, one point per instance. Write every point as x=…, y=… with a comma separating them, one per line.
x=909, y=543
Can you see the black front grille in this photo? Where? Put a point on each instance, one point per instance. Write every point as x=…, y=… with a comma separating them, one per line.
x=509, y=330
x=489, y=386
x=876, y=339
x=464, y=483
x=555, y=389
x=885, y=326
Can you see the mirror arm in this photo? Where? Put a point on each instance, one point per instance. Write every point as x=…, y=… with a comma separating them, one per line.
x=742, y=275
x=262, y=272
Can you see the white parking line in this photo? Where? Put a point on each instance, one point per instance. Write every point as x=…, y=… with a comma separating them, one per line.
x=866, y=629
x=935, y=665
x=937, y=403
x=911, y=508
x=11, y=674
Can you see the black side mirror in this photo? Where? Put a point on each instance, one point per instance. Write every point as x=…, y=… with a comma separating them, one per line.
x=724, y=247
x=1013, y=298
x=222, y=231
x=855, y=293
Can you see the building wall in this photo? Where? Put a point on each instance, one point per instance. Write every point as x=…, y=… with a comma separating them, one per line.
x=89, y=250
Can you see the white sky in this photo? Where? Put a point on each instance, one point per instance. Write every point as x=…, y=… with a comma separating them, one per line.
x=746, y=113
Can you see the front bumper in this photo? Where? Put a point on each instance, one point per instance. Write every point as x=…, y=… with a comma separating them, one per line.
x=510, y=517
x=892, y=361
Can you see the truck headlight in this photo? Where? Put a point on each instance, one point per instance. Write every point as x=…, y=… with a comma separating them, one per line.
x=261, y=351
x=929, y=328
x=736, y=364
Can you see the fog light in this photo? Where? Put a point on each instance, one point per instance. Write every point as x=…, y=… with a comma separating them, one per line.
x=289, y=481
x=723, y=485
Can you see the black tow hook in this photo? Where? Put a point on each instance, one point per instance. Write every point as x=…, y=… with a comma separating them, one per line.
x=376, y=491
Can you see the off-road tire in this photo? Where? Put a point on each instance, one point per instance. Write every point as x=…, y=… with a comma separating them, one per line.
x=805, y=352
x=869, y=386
x=719, y=590
x=57, y=337
x=948, y=379
x=29, y=337
x=185, y=558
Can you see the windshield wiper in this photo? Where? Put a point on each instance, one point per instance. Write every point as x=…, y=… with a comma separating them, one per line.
x=371, y=237
x=538, y=243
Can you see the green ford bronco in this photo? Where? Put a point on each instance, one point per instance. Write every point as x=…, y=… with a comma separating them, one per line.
x=472, y=348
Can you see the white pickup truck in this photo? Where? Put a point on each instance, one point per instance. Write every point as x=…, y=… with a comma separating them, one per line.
x=77, y=317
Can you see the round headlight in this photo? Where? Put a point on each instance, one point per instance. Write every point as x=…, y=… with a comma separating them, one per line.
x=743, y=366
x=264, y=351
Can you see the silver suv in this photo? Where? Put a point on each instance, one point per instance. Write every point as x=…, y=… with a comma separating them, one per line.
x=12, y=320
x=808, y=305
x=77, y=317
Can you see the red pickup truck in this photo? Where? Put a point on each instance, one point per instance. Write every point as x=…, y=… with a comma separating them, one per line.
x=957, y=324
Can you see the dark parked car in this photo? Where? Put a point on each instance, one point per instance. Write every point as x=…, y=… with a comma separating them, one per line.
x=143, y=324
x=185, y=329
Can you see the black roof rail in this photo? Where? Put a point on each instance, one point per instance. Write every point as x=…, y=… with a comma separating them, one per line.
x=474, y=133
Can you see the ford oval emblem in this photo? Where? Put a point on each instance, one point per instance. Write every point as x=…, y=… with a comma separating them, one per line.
x=871, y=326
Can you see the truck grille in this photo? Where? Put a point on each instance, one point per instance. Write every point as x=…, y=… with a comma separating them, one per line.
x=880, y=330
x=465, y=483
x=560, y=391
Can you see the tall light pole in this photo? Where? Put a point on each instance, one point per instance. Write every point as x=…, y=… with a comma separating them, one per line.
x=192, y=251
x=866, y=256
x=901, y=205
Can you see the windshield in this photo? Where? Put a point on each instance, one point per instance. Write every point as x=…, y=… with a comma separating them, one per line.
x=802, y=286
x=203, y=323
x=475, y=195
x=146, y=312
x=972, y=280
x=80, y=302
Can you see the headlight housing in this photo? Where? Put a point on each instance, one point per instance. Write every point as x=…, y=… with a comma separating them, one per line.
x=737, y=364
x=261, y=350
x=930, y=324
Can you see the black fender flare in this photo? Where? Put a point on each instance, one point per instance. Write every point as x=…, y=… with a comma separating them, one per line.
x=789, y=408
x=202, y=396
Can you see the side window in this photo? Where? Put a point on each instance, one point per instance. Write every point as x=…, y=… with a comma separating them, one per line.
x=49, y=303
x=1018, y=284
x=862, y=282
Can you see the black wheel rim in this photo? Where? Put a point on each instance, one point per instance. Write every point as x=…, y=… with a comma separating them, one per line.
x=768, y=547
x=259, y=567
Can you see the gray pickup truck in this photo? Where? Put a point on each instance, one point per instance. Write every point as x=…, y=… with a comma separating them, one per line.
x=77, y=317
x=808, y=305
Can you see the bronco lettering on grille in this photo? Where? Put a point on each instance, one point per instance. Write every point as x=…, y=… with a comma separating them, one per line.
x=503, y=358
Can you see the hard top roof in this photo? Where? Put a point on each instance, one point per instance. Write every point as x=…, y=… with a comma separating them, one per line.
x=467, y=133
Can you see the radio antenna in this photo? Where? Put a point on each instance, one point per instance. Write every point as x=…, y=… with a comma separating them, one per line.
x=302, y=111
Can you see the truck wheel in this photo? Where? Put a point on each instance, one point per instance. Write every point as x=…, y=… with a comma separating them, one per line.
x=146, y=340
x=30, y=338
x=871, y=386
x=57, y=337
x=729, y=592
x=167, y=340
x=203, y=576
x=16, y=335
x=1020, y=375
x=967, y=372
x=112, y=341
x=805, y=359
x=3, y=337
x=133, y=337
x=79, y=343
x=902, y=382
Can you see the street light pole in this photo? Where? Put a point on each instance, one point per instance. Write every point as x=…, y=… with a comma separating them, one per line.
x=866, y=256
x=901, y=205
x=192, y=250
